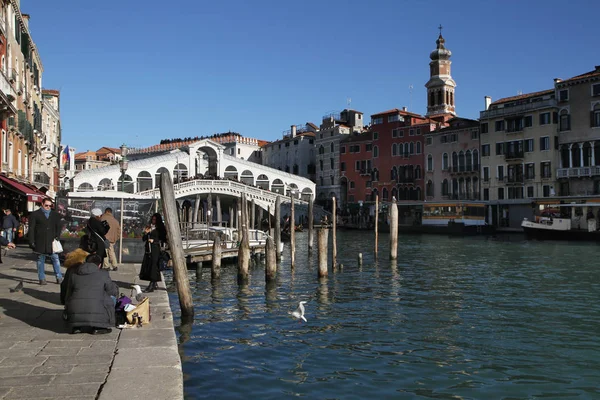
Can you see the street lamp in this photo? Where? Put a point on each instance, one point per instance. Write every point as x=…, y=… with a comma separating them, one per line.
x=123, y=164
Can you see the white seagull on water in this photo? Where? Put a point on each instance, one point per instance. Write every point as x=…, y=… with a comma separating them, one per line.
x=299, y=313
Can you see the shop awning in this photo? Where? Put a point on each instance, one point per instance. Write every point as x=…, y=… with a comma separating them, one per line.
x=32, y=194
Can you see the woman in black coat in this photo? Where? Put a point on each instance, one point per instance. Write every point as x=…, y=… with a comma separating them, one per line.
x=89, y=305
x=154, y=235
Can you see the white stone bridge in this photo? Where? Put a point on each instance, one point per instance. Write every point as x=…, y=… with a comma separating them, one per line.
x=197, y=170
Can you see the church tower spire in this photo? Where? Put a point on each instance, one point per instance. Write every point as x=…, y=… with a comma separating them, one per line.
x=440, y=87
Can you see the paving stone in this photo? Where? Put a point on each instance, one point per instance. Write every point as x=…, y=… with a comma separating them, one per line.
x=22, y=361
x=158, y=357
x=78, y=360
x=167, y=383
x=19, y=352
x=70, y=343
x=146, y=342
x=92, y=368
x=52, y=369
x=30, y=380
x=96, y=351
x=56, y=391
x=60, y=351
x=15, y=371
x=32, y=344
x=7, y=344
x=76, y=378
x=4, y=391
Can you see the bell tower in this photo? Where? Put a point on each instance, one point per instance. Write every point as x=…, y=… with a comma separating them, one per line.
x=440, y=87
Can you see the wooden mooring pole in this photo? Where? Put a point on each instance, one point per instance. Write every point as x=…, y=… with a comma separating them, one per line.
x=393, y=210
x=278, y=227
x=167, y=194
x=333, y=231
x=215, y=271
x=244, y=249
x=292, y=232
x=322, y=238
x=376, y=223
x=311, y=230
x=270, y=260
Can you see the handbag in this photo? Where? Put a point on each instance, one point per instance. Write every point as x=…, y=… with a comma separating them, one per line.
x=142, y=309
x=56, y=246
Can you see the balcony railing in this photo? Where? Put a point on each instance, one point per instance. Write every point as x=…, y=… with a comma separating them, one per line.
x=578, y=172
x=7, y=89
x=516, y=109
x=516, y=179
x=514, y=155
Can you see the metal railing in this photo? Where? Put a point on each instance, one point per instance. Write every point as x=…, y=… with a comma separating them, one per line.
x=7, y=88
x=517, y=109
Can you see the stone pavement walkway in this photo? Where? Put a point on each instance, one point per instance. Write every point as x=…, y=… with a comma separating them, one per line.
x=39, y=359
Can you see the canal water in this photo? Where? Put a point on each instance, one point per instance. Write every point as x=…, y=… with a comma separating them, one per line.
x=470, y=318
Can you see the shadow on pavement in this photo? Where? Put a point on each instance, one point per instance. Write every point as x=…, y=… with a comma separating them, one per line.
x=50, y=297
x=37, y=317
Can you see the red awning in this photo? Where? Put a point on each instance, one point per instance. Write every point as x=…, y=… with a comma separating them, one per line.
x=32, y=194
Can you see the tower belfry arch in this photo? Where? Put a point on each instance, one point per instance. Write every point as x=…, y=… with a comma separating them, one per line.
x=441, y=86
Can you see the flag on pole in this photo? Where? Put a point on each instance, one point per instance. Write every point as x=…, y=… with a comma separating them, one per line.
x=66, y=157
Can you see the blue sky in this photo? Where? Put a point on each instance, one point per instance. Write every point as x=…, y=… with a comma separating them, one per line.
x=139, y=71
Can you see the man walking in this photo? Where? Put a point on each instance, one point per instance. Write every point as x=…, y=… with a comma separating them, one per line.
x=44, y=227
x=113, y=234
x=9, y=225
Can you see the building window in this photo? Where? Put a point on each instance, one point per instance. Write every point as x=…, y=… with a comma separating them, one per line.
x=596, y=115
x=530, y=171
x=411, y=148
x=429, y=162
x=528, y=145
x=486, y=194
x=544, y=118
x=484, y=128
x=394, y=149
x=375, y=151
x=546, y=167
x=331, y=163
x=529, y=191
x=499, y=126
x=378, y=120
x=394, y=133
x=563, y=95
x=395, y=118
x=500, y=193
x=485, y=150
x=429, y=140
x=546, y=190
x=332, y=181
x=545, y=143
x=321, y=165
x=375, y=135
x=331, y=147
x=500, y=172
x=564, y=121
x=418, y=147
x=418, y=131
x=596, y=89
x=343, y=150
x=528, y=121
x=352, y=185
x=486, y=174
x=474, y=135
x=343, y=166
x=411, y=132
x=499, y=149
x=445, y=162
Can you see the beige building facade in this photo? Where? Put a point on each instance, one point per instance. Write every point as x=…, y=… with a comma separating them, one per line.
x=578, y=102
x=452, y=161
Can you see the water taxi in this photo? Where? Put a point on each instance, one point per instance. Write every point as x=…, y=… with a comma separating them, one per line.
x=564, y=221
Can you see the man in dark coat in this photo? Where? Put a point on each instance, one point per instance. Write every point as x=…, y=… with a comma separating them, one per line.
x=97, y=230
x=6, y=243
x=10, y=224
x=91, y=297
x=44, y=227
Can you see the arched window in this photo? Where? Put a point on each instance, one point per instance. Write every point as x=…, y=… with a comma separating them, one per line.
x=445, y=162
x=575, y=151
x=429, y=162
x=384, y=193
x=418, y=172
x=393, y=174
x=375, y=151
x=394, y=149
x=180, y=172
x=564, y=156
x=469, y=160
x=85, y=187
x=411, y=148
x=418, y=147
x=429, y=189
x=332, y=147
x=461, y=161
x=475, y=160
x=144, y=181
x=445, y=189
x=321, y=149
x=596, y=116
x=157, y=176
x=455, y=162
x=587, y=154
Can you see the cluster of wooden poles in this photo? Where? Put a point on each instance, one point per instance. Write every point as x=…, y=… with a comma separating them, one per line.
x=272, y=255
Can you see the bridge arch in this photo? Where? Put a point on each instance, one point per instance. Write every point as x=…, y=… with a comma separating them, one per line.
x=210, y=156
x=247, y=177
x=277, y=186
x=231, y=172
x=157, y=176
x=180, y=172
x=307, y=194
x=144, y=181
x=262, y=181
x=106, y=184
x=85, y=187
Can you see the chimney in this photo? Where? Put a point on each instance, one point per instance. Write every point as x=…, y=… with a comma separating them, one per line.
x=488, y=101
x=404, y=109
x=557, y=80
x=26, y=20
x=293, y=130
